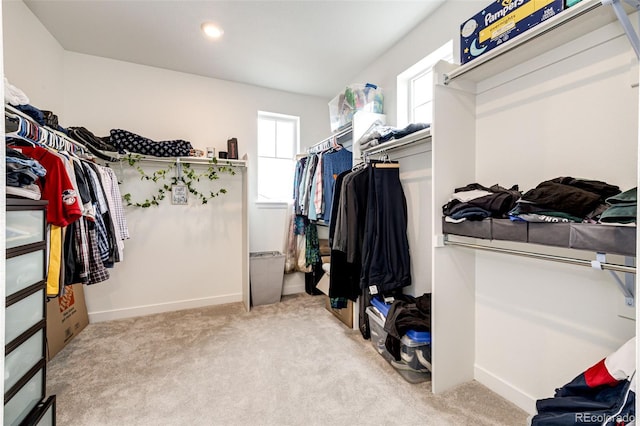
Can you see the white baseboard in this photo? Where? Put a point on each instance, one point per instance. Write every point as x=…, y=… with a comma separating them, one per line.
x=293, y=283
x=138, y=311
x=505, y=389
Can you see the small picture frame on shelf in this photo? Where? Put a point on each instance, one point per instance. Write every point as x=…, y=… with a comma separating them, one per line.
x=179, y=194
x=232, y=149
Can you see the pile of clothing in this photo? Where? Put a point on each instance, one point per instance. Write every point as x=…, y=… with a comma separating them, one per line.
x=604, y=394
x=406, y=313
x=22, y=175
x=564, y=199
x=476, y=202
x=379, y=133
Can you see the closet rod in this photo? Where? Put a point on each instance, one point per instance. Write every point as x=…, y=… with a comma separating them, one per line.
x=320, y=146
x=554, y=258
x=15, y=111
x=193, y=160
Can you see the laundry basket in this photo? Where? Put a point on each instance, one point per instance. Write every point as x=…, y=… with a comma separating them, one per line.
x=266, y=276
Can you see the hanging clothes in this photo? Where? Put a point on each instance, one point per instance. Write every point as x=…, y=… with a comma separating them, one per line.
x=333, y=163
x=385, y=250
x=368, y=236
x=83, y=197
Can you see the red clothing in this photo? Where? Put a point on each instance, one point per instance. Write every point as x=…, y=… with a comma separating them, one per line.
x=56, y=187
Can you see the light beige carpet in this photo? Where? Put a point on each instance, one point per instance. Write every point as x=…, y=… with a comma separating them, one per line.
x=290, y=363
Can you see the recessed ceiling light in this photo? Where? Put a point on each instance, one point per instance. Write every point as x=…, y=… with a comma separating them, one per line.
x=212, y=30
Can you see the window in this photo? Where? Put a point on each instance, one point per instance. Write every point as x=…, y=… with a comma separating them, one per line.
x=277, y=146
x=415, y=88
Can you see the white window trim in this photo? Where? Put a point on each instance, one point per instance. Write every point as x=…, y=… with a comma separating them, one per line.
x=275, y=204
x=403, y=81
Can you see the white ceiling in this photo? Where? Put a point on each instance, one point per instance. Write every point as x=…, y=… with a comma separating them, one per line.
x=301, y=46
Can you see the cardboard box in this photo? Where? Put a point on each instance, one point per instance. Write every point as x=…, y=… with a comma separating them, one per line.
x=345, y=315
x=502, y=20
x=66, y=317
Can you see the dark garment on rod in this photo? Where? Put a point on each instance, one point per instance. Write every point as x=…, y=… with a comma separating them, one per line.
x=363, y=318
x=344, y=279
x=407, y=313
x=385, y=250
x=358, y=189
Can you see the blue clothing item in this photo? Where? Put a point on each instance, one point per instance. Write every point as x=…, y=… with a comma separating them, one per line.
x=32, y=112
x=471, y=213
x=34, y=165
x=311, y=213
x=400, y=133
x=19, y=175
x=333, y=163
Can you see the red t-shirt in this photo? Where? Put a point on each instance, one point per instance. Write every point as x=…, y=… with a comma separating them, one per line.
x=56, y=187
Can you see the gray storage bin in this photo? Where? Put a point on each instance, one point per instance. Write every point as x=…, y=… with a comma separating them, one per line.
x=506, y=229
x=266, y=277
x=549, y=234
x=604, y=238
x=468, y=228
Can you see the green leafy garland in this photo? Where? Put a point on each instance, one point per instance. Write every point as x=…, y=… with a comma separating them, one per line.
x=188, y=177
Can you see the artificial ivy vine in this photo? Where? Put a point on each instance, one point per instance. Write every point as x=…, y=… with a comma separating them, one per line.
x=188, y=177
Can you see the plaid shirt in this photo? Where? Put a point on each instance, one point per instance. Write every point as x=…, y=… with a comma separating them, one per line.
x=118, y=209
x=101, y=208
x=97, y=271
x=82, y=251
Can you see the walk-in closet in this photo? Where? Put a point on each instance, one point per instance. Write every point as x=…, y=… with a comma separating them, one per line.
x=455, y=210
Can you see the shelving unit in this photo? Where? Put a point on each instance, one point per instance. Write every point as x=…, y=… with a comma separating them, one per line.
x=419, y=137
x=520, y=114
x=25, y=323
x=192, y=160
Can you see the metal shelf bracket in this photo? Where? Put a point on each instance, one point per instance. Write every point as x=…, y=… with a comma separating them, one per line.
x=631, y=33
x=627, y=287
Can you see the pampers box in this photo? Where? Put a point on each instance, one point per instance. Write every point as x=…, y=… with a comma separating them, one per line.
x=502, y=20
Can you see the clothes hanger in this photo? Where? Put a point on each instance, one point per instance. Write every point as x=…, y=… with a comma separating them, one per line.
x=385, y=163
x=11, y=124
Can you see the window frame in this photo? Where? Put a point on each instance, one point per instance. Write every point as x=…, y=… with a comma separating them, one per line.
x=277, y=117
x=406, y=81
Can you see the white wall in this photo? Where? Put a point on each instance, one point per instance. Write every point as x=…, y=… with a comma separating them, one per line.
x=443, y=25
x=102, y=94
x=178, y=265
x=33, y=59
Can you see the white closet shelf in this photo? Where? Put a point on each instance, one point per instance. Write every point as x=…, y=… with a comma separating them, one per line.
x=421, y=136
x=340, y=136
x=585, y=17
x=190, y=160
